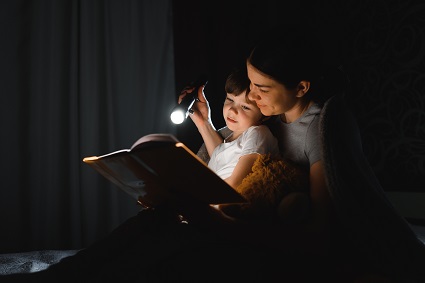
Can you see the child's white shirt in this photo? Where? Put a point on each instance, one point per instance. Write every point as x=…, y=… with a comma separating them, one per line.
x=256, y=139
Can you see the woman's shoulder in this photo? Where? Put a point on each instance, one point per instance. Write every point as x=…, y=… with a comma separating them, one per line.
x=313, y=111
x=315, y=108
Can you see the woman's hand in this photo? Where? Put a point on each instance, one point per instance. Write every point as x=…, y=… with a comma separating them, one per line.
x=199, y=213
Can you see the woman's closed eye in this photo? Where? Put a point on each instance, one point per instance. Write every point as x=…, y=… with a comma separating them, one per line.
x=260, y=88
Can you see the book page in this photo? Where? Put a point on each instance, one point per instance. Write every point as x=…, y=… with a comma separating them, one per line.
x=155, y=138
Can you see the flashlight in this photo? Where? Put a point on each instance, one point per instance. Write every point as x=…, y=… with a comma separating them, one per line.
x=181, y=111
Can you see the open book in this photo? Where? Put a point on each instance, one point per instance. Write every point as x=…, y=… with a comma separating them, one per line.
x=158, y=168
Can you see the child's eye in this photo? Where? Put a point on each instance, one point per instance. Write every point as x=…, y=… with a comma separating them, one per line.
x=245, y=107
x=229, y=99
x=263, y=91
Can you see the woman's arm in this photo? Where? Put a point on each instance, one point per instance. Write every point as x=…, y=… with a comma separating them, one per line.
x=321, y=208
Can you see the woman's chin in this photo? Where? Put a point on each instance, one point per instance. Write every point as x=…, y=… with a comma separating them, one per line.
x=267, y=113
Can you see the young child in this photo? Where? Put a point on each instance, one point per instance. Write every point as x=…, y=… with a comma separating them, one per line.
x=232, y=157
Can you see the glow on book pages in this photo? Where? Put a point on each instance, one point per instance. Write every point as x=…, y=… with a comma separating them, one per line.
x=90, y=158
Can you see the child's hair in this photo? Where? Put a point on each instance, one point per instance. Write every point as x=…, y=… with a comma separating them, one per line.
x=237, y=82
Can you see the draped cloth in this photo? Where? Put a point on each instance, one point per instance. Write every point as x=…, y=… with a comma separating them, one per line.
x=80, y=78
x=382, y=238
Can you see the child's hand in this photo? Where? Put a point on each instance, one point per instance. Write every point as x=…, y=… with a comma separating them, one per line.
x=200, y=113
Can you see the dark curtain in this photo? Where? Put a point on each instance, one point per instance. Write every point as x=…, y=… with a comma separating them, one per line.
x=78, y=78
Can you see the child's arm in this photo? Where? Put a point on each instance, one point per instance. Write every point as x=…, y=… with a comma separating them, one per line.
x=210, y=137
x=242, y=169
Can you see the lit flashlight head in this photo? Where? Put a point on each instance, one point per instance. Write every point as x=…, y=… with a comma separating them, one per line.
x=181, y=111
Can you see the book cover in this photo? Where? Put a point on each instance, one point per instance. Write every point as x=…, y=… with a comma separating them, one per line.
x=157, y=168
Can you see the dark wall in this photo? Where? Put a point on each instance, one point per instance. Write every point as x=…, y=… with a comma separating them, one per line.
x=378, y=43
x=209, y=37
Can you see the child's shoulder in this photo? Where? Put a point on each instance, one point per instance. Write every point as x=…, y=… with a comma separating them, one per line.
x=260, y=132
x=260, y=129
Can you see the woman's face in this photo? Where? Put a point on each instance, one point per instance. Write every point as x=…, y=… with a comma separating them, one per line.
x=272, y=97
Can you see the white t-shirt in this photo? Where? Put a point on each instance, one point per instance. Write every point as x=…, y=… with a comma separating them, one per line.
x=256, y=139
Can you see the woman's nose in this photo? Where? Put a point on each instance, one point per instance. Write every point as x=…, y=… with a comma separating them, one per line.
x=252, y=95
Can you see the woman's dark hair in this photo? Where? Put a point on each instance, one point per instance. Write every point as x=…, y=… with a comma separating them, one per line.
x=292, y=54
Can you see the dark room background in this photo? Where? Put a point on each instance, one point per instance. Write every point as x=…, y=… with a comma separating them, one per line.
x=83, y=78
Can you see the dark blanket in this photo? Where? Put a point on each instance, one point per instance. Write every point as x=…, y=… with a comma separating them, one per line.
x=28, y=262
x=34, y=261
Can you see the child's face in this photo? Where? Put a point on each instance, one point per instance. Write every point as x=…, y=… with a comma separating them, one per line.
x=239, y=114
